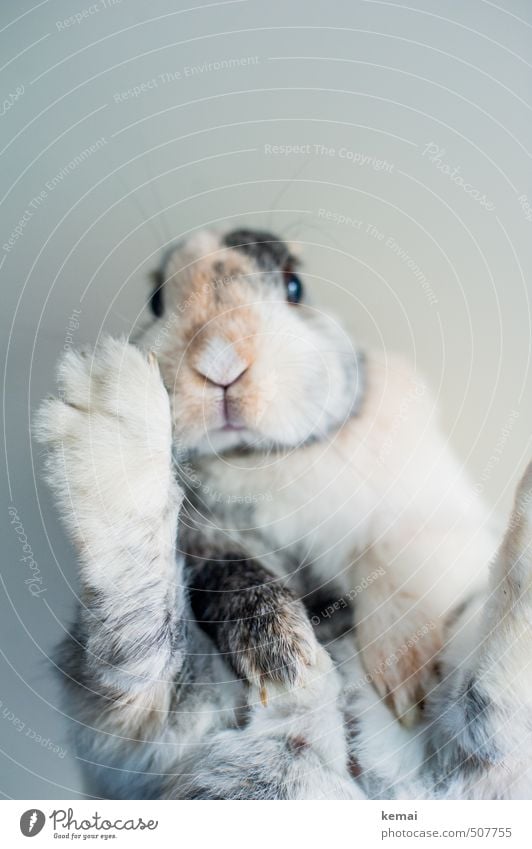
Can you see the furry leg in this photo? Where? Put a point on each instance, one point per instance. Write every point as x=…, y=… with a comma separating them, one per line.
x=257, y=624
x=109, y=464
x=482, y=731
x=398, y=639
x=293, y=748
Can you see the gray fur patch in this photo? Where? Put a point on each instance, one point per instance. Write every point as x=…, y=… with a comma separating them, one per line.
x=268, y=251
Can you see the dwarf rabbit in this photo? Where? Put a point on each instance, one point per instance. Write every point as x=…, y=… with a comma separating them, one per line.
x=200, y=662
x=316, y=466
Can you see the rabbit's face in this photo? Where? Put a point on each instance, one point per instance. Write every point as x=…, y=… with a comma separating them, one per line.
x=246, y=361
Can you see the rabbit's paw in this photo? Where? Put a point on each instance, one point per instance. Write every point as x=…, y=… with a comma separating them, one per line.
x=109, y=436
x=282, y=652
x=259, y=626
x=400, y=653
x=276, y=644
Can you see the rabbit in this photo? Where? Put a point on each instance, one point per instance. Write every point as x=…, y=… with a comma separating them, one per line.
x=320, y=463
x=196, y=668
x=158, y=711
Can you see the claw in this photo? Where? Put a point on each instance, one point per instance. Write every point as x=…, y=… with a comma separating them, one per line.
x=410, y=717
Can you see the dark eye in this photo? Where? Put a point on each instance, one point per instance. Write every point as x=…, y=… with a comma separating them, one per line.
x=156, y=298
x=294, y=288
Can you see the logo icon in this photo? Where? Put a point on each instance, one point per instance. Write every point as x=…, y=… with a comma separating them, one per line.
x=32, y=822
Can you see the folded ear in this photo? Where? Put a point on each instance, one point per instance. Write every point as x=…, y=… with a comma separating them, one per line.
x=157, y=296
x=267, y=250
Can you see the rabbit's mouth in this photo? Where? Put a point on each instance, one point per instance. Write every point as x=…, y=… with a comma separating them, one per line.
x=231, y=419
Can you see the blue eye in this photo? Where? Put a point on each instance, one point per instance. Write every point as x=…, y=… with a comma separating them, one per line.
x=294, y=288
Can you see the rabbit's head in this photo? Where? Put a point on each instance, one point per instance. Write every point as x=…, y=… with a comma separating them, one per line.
x=248, y=362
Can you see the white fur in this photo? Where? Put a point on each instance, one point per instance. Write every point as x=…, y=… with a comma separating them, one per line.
x=376, y=494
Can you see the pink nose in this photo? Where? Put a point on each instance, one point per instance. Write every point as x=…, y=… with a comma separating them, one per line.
x=223, y=382
x=219, y=362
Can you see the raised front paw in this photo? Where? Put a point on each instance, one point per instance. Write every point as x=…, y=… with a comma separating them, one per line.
x=109, y=434
x=400, y=646
x=279, y=645
x=258, y=625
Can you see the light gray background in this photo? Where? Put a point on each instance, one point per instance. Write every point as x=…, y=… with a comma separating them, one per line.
x=378, y=79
